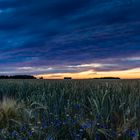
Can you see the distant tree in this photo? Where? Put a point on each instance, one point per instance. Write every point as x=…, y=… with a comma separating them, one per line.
x=41, y=78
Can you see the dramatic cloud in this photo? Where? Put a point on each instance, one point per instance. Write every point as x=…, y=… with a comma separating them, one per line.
x=73, y=36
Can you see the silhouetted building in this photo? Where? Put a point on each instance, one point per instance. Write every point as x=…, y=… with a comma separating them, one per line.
x=67, y=78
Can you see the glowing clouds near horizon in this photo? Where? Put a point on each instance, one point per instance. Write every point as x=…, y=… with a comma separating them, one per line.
x=80, y=71
x=126, y=74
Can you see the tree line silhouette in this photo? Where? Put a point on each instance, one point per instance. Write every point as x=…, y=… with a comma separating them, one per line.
x=107, y=78
x=32, y=77
x=17, y=77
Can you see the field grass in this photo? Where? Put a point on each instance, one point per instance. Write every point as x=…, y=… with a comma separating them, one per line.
x=69, y=109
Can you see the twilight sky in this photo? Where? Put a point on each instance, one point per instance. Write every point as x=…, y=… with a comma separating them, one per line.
x=78, y=38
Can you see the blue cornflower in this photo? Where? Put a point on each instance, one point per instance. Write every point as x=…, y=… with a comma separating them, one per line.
x=44, y=125
x=97, y=137
x=104, y=126
x=22, y=128
x=30, y=133
x=132, y=133
x=14, y=133
x=77, y=106
x=36, y=118
x=44, y=117
x=73, y=122
x=87, y=125
x=57, y=123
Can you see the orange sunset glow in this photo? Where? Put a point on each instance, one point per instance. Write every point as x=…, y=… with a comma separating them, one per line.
x=124, y=74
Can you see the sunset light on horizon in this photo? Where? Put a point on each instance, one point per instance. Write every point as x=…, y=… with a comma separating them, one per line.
x=123, y=74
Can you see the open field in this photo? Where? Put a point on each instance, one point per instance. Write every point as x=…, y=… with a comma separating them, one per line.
x=69, y=109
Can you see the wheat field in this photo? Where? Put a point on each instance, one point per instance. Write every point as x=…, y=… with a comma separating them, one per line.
x=69, y=109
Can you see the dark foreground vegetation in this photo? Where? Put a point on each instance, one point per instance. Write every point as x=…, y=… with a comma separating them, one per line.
x=69, y=109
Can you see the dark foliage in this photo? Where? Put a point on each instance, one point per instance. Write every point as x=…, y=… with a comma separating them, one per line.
x=18, y=77
x=108, y=78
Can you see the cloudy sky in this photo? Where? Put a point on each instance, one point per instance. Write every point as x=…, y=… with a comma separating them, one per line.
x=78, y=38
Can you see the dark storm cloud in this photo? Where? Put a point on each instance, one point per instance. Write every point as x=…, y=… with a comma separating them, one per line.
x=61, y=33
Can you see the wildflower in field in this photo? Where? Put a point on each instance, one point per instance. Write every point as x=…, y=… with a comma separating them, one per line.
x=22, y=128
x=30, y=133
x=57, y=123
x=97, y=137
x=36, y=118
x=44, y=125
x=14, y=133
x=104, y=126
x=131, y=133
x=88, y=125
x=73, y=122
x=77, y=106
